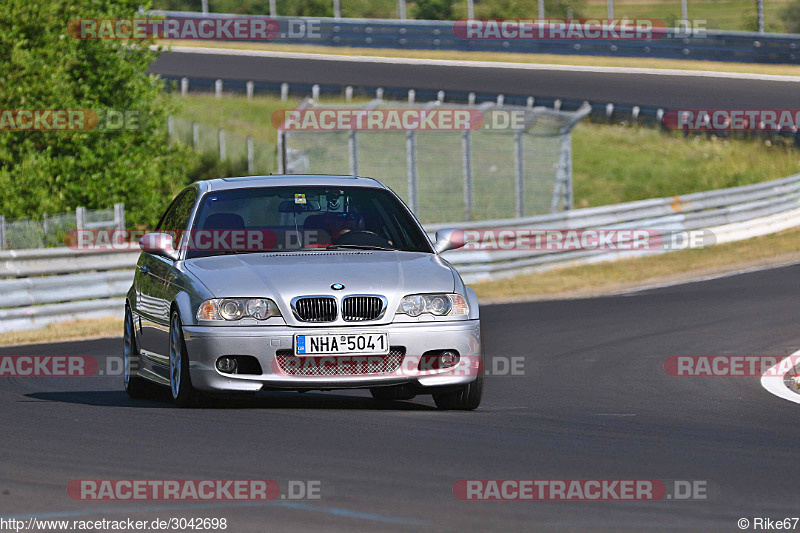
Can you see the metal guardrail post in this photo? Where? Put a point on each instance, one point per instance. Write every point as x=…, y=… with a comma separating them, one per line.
x=281, y=155
x=250, y=155
x=218, y=88
x=401, y=9
x=119, y=216
x=566, y=149
x=411, y=164
x=519, y=173
x=337, y=11
x=352, y=149
x=284, y=92
x=184, y=86
x=315, y=91
x=222, y=145
x=80, y=218
x=273, y=11
x=466, y=156
x=563, y=187
x=348, y=93
x=250, y=87
x=2, y=232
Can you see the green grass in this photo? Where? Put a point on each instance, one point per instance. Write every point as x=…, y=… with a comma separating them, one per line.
x=624, y=163
x=719, y=14
x=611, y=163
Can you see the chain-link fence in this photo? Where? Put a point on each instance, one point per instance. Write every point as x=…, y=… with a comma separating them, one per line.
x=52, y=230
x=510, y=162
x=256, y=156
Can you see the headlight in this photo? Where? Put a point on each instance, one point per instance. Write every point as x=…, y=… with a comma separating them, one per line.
x=435, y=304
x=237, y=308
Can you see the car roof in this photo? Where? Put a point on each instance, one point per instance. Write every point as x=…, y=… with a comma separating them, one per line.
x=284, y=180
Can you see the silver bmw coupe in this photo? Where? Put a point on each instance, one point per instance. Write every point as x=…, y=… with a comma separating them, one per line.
x=300, y=282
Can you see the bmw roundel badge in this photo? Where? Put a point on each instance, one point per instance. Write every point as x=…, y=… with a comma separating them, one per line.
x=337, y=286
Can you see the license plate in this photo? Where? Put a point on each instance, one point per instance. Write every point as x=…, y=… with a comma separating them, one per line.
x=345, y=343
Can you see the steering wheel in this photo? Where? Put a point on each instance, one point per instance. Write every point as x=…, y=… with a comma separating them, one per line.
x=364, y=237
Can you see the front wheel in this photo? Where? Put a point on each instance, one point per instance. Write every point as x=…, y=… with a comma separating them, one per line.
x=180, y=382
x=464, y=398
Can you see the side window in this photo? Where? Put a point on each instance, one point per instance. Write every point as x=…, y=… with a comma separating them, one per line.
x=177, y=216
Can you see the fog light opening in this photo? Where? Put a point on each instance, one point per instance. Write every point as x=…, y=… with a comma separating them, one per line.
x=448, y=358
x=227, y=365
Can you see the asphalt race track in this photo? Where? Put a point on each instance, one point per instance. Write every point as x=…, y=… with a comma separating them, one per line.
x=594, y=403
x=685, y=91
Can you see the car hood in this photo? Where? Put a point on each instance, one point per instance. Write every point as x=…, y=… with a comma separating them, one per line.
x=282, y=276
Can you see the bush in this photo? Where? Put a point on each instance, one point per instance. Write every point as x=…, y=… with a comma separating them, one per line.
x=433, y=10
x=791, y=17
x=44, y=68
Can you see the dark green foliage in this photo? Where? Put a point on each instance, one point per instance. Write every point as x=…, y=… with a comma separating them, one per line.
x=44, y=68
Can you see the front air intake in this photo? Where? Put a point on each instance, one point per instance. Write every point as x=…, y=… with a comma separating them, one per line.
x=360, y=308
x=315, y=309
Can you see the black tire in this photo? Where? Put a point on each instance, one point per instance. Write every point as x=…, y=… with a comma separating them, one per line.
x=466, y=398
x=183, y=393
x=135, y=386
x=391, y=394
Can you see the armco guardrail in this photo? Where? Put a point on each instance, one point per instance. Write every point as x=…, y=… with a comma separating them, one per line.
x=715, y=210
x=48, y=285
x=715, y=45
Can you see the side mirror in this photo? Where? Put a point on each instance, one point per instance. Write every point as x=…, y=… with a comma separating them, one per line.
x=449, y=239
x=159, y=244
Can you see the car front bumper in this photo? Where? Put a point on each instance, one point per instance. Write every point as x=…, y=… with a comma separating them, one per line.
x=206, y=344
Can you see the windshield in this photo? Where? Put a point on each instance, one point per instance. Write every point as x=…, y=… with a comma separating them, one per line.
x=290, y=219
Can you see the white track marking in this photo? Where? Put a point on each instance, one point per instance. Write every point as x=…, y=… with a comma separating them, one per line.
x=774, y=384
x=485, y=64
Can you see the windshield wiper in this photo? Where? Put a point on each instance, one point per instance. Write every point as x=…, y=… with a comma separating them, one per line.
x=359, y=247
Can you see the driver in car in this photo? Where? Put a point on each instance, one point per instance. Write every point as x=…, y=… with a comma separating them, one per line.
x=342, y=223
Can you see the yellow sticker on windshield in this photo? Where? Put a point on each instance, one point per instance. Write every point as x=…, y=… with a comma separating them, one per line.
x=299, y=198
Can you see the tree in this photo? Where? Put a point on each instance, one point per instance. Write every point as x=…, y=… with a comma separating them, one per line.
x=44, y=67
